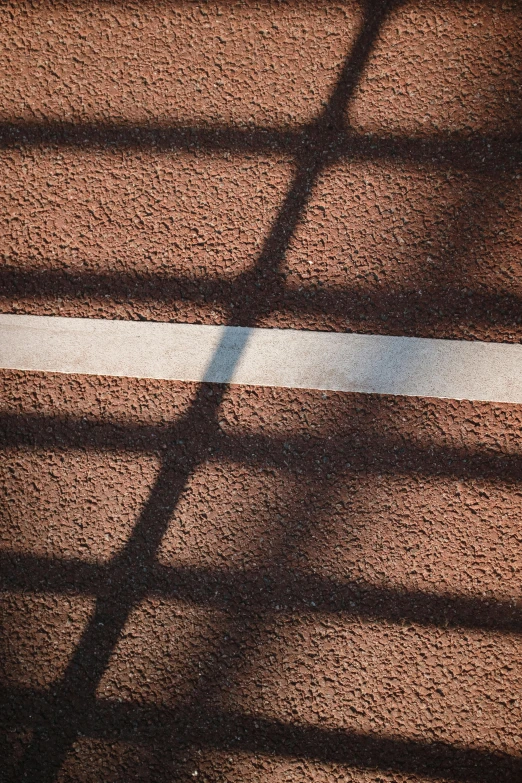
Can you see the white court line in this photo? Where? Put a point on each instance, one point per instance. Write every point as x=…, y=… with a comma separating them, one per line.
x=409, y=366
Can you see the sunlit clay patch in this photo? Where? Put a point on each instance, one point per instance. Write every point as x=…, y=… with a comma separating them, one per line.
x=442, y=68
x=72, y=505
x=405, y=532
x=163, y=651
x=173, y=63
x=40, y=634
x=371, y=226
x=162, y=222
x=230, y=516
x=384, y=679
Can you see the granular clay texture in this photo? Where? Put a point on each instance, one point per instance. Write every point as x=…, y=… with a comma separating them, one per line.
x=247, y=584
x=258, y=584
x=338, y=166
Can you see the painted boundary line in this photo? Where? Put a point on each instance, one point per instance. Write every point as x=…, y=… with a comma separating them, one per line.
x=376, y=364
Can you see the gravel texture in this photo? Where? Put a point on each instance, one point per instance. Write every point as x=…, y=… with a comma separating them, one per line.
x=258, y=584
x=326, y=166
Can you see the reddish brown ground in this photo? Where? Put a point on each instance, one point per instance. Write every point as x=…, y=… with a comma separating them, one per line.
x=260, y=585
x=147, y=149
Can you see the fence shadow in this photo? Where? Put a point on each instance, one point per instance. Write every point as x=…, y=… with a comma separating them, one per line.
x=72, y=707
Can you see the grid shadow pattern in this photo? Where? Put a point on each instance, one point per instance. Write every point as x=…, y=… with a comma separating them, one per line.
x=71, y=708
x=442, y=301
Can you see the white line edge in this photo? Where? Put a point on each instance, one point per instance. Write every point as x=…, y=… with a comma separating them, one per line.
x=376, y=364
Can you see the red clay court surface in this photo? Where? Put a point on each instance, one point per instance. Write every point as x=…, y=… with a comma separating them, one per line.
x=333, y=169
x=215, y=583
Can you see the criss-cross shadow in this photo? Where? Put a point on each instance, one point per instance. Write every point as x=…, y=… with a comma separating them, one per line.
x=75, y=694
x=439, y=304
x=442, y=306
x=72, y=708
x=248, y=597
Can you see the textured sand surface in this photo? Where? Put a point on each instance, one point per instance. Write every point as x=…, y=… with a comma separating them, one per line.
x=148, y=148
x=251, y=584
x=270, y=584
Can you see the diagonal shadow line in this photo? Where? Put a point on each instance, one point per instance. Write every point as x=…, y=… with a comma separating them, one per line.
x=95, y=644
x=259, y=590
x=74, y=696
x=229, y=731
x=233, y=593
x=406, y=308
x=258, y=735
x=125, y=585
x=313, y=160
x=371, y=451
